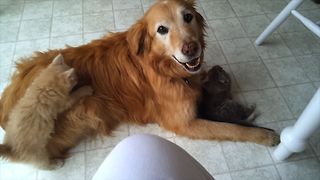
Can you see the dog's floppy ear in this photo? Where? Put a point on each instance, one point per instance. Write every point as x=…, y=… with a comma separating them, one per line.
x=138, y=38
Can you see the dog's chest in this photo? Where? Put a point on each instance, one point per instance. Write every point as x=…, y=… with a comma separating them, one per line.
x=177, y=100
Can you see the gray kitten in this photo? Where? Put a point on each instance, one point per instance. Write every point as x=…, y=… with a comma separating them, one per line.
x=217, y=103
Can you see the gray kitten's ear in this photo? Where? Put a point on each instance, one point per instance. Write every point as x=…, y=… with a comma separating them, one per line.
x=58, y=60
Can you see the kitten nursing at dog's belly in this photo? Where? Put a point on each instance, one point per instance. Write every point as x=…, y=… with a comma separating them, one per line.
x=31, y=122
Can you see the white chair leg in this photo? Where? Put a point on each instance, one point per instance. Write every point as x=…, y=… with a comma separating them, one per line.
x=278, y=20
x=294, y=139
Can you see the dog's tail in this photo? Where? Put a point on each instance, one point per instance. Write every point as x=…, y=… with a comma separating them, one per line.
x=5, y=151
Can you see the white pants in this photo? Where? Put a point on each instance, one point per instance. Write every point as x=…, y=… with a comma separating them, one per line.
x=149, y=157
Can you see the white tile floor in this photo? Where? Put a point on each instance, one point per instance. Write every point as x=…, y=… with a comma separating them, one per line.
x=280, y=77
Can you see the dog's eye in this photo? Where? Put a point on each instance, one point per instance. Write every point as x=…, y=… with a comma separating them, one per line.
x=162, y=30
x=187, y=17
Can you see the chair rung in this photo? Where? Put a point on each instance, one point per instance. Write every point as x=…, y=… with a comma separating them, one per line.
x=307, y=22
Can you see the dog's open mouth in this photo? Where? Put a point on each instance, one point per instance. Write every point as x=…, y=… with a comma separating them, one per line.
x=191, y=66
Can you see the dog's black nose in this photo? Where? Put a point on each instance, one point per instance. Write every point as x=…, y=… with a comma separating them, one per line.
x=190, y=49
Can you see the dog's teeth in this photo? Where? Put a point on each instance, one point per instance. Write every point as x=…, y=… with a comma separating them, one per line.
x=189, y=66
x=193, y=66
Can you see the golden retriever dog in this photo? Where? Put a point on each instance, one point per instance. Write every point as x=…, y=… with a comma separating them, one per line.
x=147, y=74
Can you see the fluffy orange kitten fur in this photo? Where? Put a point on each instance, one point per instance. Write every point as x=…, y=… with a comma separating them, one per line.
x=32, y=120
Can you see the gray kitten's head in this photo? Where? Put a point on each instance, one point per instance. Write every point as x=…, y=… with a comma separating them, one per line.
x=218, y=81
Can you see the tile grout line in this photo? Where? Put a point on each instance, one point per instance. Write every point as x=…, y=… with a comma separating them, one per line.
x=261, y=60
x=114, y=15
x=51, y=24
x=276, y=121
x=271, y=59
x=226, y=59
x=287, y=103
x=288, y=33
x=276, y=85
x=278, y=89
x=85, y=159
x=15, y=43
x=313, y=150
x=59, y=36
x=232, y=73
x=291, y=161
x=295, y=160
x=304, y=71
x=245, y=169
x=208, y=25
x=219, y=44
x=206, y=17
x=246, y=36
x=238, y=18
x=82, y=13
x=264, y=13
x=277, y=170
x=132, y=8
x=274, y=162
x=266, y=165
x=224, y=157
x=318, y=157
x=96, y=148
x=60, y=16
x=141, y=6
x=265, y=59
x=226, y=62
x=20, y=22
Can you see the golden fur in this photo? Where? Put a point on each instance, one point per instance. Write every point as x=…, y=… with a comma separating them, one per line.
x=135, y=79
x=31, y=121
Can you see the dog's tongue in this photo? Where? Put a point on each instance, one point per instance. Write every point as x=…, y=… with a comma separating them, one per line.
x=193, y=62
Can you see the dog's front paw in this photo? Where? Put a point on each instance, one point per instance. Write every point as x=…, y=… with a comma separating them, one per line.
x=57, y=163
x=272, y=138
x=51, y=164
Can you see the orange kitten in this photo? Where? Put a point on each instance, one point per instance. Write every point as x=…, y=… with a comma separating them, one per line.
x=32, y=120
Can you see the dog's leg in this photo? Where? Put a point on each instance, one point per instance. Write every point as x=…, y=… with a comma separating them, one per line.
x=202, y=129
x=85, y=119
x=41, y=160
x=69, y=132
x=5, y=151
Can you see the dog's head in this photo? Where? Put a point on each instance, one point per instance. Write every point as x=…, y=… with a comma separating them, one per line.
x=171, y=36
